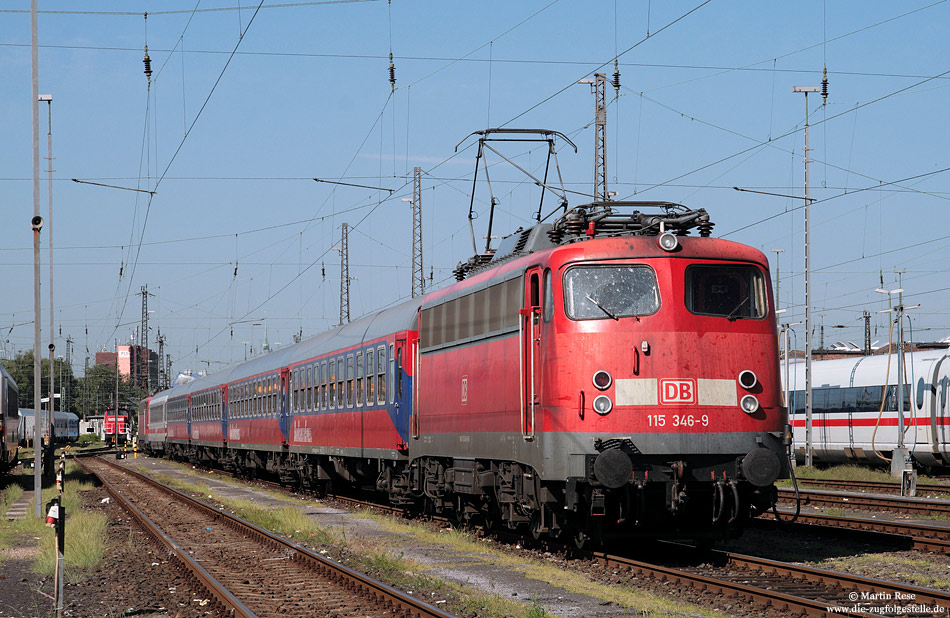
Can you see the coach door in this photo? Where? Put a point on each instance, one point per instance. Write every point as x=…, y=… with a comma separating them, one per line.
x=283, y=403
x=530, y=338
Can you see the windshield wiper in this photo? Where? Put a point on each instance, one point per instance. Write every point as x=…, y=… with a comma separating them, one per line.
x=602, y=308
x=732, y=314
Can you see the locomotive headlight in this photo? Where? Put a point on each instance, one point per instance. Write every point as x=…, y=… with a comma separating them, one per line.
x=668, y=242
x=748, y=380
x=603, y=404
x=602, y=380
x=749, y=404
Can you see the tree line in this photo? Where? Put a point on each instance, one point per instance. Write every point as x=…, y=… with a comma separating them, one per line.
x=84, y=396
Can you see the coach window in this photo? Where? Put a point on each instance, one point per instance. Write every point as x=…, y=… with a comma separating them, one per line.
x=308, y=394
x=339, y=381
x=294, y=382
x=370, y=377
x=332, y=379
x=359, y=378
x=260, y=397
x=548, y=304
x=381, y=376
x=350, y=375
x=324, y=376
x=399, y=373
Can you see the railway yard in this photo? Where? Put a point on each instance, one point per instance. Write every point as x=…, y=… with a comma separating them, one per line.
x=886, y=565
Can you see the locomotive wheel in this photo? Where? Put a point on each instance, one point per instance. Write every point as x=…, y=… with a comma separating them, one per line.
x=535, y=526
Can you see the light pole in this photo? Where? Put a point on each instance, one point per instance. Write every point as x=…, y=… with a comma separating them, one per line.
x=808, y=413
x=778, y=279
x=36, y=223
x=52, y=346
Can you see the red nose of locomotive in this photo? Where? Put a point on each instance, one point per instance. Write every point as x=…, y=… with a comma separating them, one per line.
x=667, y=366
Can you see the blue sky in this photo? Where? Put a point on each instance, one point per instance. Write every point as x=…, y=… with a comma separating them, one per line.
x=231, y=144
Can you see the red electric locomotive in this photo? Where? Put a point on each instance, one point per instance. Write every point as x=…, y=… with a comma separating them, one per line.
x=602, y=373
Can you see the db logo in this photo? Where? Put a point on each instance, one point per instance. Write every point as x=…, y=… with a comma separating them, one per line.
x=678, y=391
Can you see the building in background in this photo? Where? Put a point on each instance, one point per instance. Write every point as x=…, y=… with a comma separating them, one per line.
x=139, y=364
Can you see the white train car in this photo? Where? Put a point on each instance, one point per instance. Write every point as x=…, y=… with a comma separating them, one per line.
x=848, y=424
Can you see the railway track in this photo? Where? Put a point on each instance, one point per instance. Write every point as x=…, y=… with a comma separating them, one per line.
x=921, y=537
x=784, y=588
x=867, y=502
x=882, y=487
x=248, y=571
x=790, y=588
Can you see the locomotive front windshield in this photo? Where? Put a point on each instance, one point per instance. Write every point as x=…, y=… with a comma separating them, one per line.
x=732, y=291
x=605, y=292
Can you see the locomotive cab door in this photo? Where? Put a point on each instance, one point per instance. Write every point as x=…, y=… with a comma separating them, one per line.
x=529, y=331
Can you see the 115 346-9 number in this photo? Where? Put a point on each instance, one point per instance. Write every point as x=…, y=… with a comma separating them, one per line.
x=677, y=420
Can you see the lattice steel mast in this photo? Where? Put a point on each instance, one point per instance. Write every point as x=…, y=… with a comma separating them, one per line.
x=418, y=278
x=344, y=277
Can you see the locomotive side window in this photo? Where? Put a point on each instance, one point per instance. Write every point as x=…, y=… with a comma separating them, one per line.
x=548, y=304
x=732, y=291
x=381, y=378
x=496, y=306
x=465, y=319
x=610, y=292
x=513, y=299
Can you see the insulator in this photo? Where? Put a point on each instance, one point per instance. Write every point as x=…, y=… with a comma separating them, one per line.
x=824, y=86
x=323, y=270
x=705, y=228
x=392, y=72
x=575, y=226
x=616, y=80
x=459, y=272
x=555, y=235
x=148, y=64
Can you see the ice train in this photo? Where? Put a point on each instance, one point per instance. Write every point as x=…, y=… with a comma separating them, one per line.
x=849, y=422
